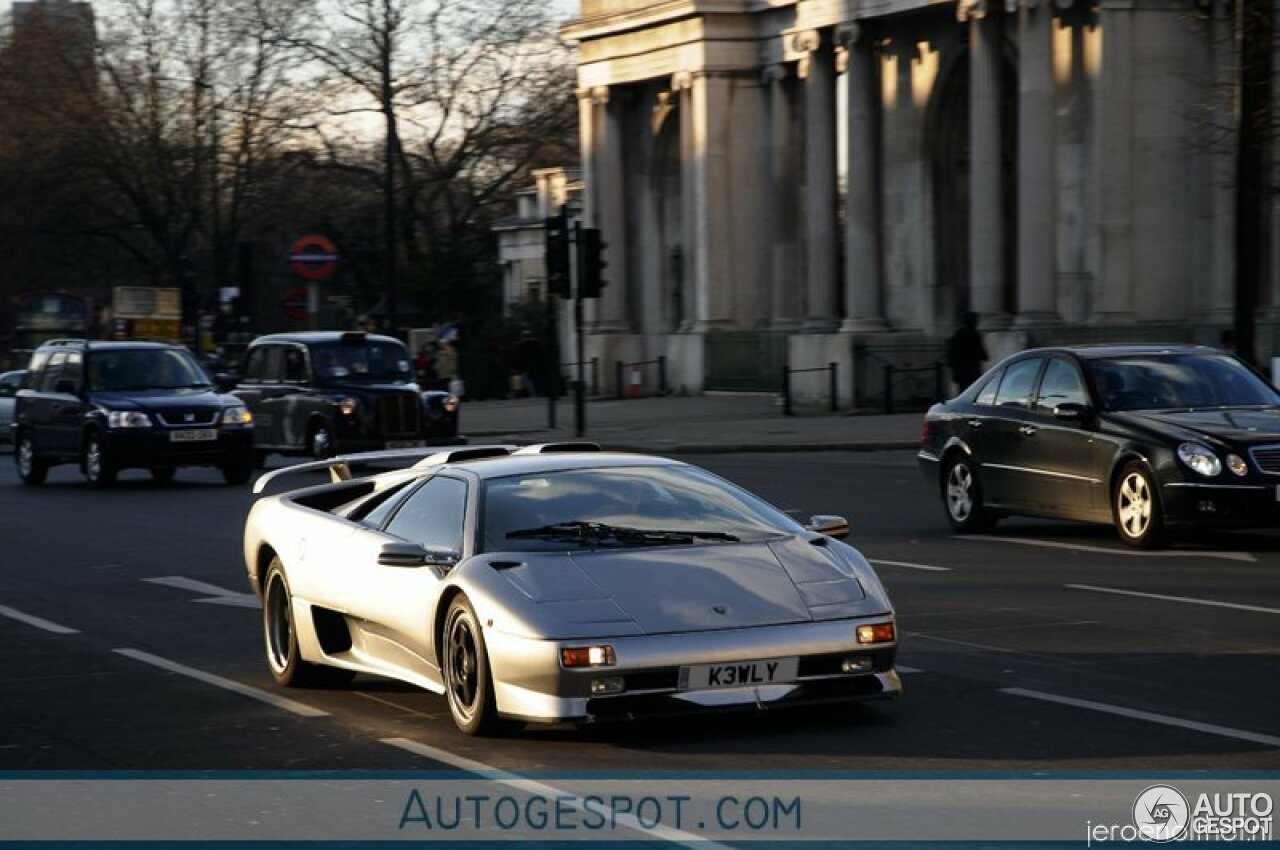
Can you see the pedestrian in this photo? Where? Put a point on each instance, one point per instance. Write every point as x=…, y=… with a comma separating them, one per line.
x=424, y=365
x=447, y=367
x=966, y=353
x=1227, y=341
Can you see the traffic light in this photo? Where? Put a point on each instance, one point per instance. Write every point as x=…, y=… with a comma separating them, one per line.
x=558, y=257
x=591, y=264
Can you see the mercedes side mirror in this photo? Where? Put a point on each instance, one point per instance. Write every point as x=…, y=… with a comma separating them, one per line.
x=1071, y=411
x=832, y=526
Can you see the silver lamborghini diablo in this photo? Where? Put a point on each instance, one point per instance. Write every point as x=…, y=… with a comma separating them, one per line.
x=560, y=583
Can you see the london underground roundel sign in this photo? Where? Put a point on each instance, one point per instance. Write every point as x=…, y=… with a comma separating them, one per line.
x=313, y=257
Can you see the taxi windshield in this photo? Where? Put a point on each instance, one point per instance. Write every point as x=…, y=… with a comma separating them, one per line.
x=361, y=361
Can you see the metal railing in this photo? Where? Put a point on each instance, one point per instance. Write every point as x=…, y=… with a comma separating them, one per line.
x=635, y=379
x=896, y=377
x=569, y=374
x=832, y=369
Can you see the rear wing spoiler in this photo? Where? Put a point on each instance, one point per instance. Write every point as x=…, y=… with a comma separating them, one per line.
x=339, y=468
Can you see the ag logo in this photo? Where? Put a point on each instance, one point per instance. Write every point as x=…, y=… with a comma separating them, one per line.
x=1161, y=813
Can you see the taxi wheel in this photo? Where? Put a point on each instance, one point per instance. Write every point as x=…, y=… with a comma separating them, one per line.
x=31, y=469
x=98, y=468
x=468, y=682
x=1135, y=507
x=320, y=443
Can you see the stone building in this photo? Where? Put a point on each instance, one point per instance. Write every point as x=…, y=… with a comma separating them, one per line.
x=522, y=236
x=817, y=181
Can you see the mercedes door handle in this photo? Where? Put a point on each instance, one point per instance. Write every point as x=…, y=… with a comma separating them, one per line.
x=1029, y=430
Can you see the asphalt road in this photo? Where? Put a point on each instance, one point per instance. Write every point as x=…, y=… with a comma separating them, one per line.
x=130, y=643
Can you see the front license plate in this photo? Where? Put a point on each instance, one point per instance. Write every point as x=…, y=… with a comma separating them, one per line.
x=739, y=674
x=406, y=444
x=194, y=435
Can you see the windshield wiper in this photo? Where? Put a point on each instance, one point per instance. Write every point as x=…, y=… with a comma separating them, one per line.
x=590, y=531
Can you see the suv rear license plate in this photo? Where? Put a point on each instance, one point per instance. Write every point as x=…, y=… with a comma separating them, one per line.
x=739, y=674
x=406, y=444
x=193, y=435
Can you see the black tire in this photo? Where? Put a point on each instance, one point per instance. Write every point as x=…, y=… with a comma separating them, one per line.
x=284, y=660
x=32, y=469
x=98, y=468
x=1136, y=510
x=320, y=441
x=468, y=681
x=962, y=496
x=163, y=474
x=238, y=471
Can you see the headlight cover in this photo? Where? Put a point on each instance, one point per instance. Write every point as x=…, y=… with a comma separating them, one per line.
x=349, y=406
x=128, y=419
x=1199, y=459
x=451, y=403
x=1236, y=464
x=237, y=416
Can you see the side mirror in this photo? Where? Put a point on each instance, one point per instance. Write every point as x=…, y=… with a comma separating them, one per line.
x=416, y=555
x=65, y=387
x=832, y=526
x=224, y=382
x=1071, y=411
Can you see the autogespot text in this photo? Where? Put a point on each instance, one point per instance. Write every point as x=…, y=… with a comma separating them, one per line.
x=597, y=813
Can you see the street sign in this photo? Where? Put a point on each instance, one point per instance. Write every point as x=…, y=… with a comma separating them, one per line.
x=294, y=303
x=313, y=257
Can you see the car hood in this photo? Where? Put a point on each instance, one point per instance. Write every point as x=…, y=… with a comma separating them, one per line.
x=153, y=400
x=1246, y=426
x=688, y=588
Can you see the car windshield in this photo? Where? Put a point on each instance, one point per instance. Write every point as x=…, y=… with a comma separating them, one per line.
x=1178, y=381
x=361, y=361
x=144, y=369
x=622, y=506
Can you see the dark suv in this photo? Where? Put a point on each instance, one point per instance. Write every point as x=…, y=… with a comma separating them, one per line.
x=322, y=392
x=115, y=405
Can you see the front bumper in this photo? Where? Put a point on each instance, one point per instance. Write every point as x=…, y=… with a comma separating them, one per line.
x=127, y=447
x=1193, y=503
x=530, y=684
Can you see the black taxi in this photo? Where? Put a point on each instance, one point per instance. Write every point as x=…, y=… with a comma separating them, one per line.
x=319, y=393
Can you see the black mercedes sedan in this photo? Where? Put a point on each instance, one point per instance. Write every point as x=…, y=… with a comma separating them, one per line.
x=1152, y=438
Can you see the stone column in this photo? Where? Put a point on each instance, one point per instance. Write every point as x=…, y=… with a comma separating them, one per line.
x=817, y=69
x=1037, y=167
x=864, y=259
x=682, y=86
x=1222, y=212
x=986, y=205
x=1112, y=153
x=782, y=212
x=611, y=211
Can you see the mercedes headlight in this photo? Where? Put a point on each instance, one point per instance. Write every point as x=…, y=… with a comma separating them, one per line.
x=1200, y=459
x=1236, y=464
x=349, y=406
x=128, y=419
x=236, y=416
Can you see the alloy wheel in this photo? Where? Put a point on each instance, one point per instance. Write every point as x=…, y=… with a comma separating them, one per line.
x=1133, y=505
x=279, y=624
x=960, y=492
x=463, y=667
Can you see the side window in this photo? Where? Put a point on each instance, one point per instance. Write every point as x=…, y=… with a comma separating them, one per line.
x=1061, y=384
x=1019, y=379
x=375, y=511
x=295, y=365
x=987, y=395
x=73, y=370
x=35, y=372
x=52, y=372
x=256, y=368
x=433, y=514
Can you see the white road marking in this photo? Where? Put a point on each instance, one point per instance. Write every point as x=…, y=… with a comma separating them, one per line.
x=513, y=780
x=1148, y=716
x=215, y=595
x=909, y=565
x=298, y=708
x=1103, y=550
x=907, y=670
x=1187, y=599
x=15, y=614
